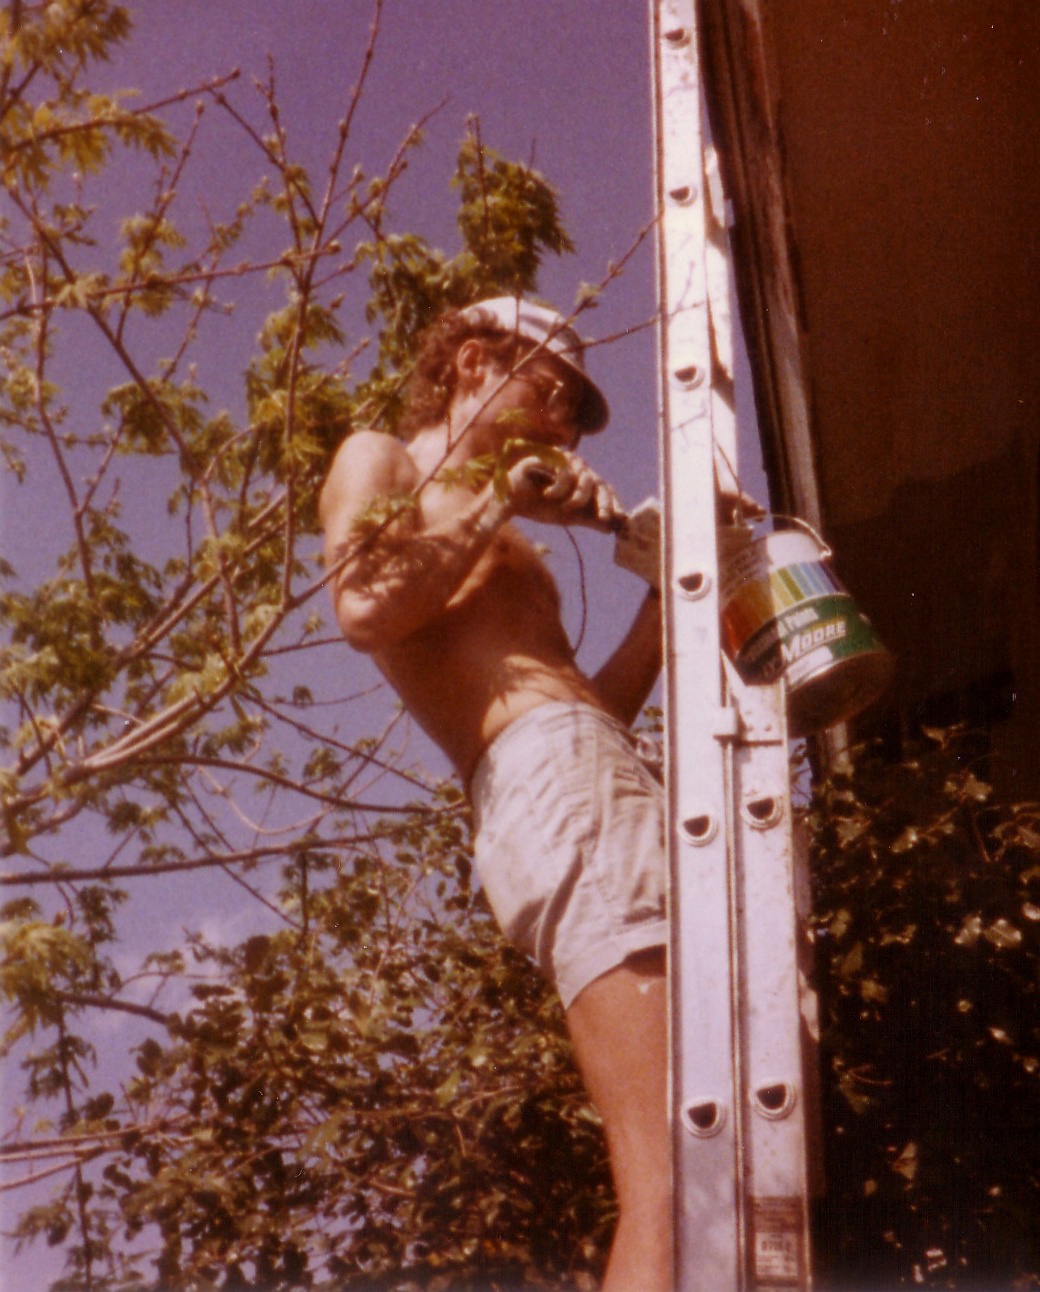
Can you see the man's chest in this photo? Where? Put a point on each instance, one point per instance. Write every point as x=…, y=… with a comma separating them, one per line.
x=511, y=566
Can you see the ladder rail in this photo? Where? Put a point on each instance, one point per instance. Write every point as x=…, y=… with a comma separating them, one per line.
x=736, y=1089
x=703, y=1042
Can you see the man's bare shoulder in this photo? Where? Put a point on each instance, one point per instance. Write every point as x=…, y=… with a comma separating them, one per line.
x=367, y=465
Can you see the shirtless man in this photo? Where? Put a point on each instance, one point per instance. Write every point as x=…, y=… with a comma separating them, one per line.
x=462, y=616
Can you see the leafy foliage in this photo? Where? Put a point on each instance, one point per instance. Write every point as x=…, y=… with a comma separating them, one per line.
x=927, y=920
x=508, y=218
x=355, y=1096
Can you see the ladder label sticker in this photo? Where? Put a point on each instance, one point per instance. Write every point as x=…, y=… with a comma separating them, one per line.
x=778, y=1253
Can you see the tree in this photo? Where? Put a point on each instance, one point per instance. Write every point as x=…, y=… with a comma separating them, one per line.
x=323, y=1102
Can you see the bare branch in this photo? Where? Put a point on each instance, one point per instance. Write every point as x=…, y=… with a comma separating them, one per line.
x=88, y=1001
x=246, y=857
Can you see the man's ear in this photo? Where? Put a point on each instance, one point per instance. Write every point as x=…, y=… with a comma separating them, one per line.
x=470, y=363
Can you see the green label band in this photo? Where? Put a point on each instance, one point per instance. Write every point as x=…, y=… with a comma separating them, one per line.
x=830, y=626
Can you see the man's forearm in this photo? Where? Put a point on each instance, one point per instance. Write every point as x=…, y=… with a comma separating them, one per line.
x=393, y=586
x=626, y=679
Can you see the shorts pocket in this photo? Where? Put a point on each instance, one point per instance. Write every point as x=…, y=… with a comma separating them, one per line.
x=627, y=852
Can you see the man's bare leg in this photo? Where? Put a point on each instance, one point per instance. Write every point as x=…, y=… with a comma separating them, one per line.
x=618, y=1027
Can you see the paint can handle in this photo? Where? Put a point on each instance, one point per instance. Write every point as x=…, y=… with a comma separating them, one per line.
x=825, y=550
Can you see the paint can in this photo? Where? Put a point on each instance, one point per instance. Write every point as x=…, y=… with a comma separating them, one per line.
x=784, y=612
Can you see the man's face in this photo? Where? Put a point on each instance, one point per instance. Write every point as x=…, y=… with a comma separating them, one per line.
x=539, y=400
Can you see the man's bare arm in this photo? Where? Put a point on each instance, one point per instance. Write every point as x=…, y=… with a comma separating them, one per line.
x=625, y=681
x=391, y=574
x=627, y=678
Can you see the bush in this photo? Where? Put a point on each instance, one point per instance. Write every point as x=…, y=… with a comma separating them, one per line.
x=927, y=928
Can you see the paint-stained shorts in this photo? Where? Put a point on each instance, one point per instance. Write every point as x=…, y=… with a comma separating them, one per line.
x=570, y=842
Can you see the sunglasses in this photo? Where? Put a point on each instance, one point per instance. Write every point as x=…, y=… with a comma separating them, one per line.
x=560, y=399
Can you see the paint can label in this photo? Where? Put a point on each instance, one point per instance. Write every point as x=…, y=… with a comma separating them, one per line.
x=798, y=641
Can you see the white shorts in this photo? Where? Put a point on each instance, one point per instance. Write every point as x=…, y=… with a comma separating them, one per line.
x=570, y=842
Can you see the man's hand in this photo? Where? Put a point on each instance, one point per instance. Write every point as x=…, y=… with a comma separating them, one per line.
x=568, y=493
x=638, y=546
x=734, y=506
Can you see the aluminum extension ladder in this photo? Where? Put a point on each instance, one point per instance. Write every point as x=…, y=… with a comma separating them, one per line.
x=738, y=1096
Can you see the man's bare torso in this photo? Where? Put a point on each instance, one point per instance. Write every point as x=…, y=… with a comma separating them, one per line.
x=498, y=650
x=430, y=576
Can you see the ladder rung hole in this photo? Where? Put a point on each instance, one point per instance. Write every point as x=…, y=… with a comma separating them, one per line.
x=683, y=195
x=775, y=1100
x=704, y=1117
x=689, y=377
x=693, y=585
x=763, y=812
x=677, y=36
x=700, y=829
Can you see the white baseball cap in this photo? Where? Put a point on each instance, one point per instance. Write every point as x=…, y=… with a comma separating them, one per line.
x=551, y=332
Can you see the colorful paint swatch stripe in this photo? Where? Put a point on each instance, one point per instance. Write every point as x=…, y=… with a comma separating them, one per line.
x=787, y=589
x=748, y=611
x=757, y=602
